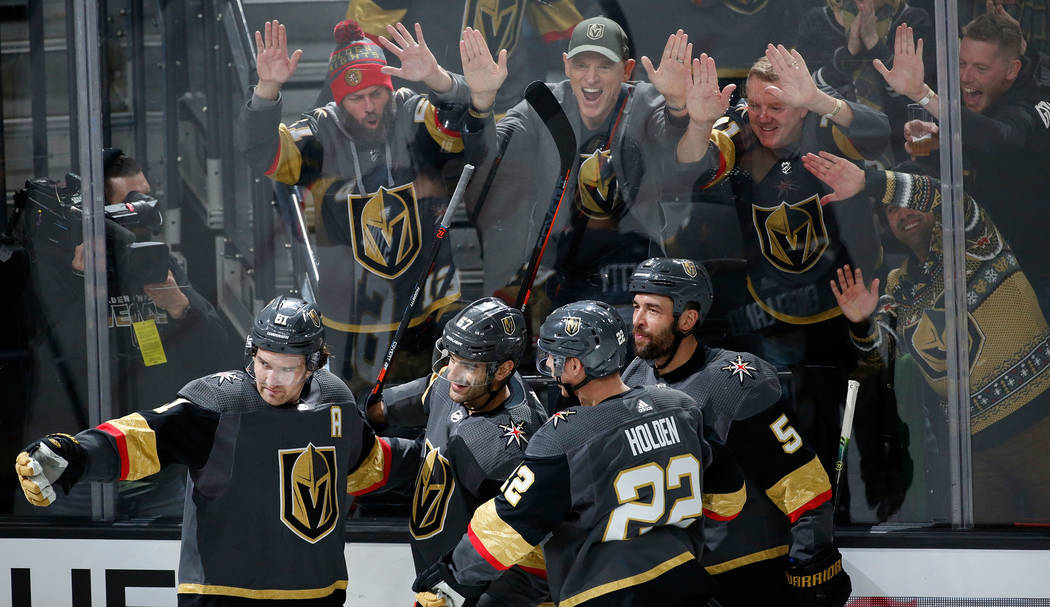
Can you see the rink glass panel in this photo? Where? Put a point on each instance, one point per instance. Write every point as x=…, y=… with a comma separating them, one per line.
x=910, y=462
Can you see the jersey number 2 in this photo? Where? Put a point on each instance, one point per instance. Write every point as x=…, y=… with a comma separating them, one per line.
x=630, y=482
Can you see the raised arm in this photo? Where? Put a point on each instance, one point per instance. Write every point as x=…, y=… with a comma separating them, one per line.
x=418, y=63
x=483, y=75
x=272, y=61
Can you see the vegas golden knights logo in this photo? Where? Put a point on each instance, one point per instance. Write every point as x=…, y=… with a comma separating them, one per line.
x=599, y=195
x=572, y=325
x=508, y=325
x=309, y=499
x=745, y=7
x=385, y=230
x=434, y=486
x=928, y=339
x=792, y=236
x=498, y=20
x=689, y=267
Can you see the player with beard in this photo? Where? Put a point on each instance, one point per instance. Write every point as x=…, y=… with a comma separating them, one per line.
x=616, y=489
x=372, y=160
x=479, y=416
x=786, y=524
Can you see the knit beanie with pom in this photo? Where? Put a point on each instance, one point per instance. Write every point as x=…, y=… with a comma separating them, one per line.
x=355, y=62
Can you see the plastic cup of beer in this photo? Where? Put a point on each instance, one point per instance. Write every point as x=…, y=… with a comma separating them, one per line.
x=921, y=144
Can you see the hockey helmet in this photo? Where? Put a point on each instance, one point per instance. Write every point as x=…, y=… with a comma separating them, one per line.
x=289, y=325
x=486, y=331
x=589, y=330
x=684, y=281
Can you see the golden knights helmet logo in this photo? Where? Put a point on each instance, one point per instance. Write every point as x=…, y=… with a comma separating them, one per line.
x=927, y=337
x=385, y=230
x=572, y=325
x=792, y=236
x=434, y=486
x=309, y=496
x=498, y=20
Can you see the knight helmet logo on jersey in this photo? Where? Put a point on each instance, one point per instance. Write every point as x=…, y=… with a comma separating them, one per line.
x=499, y=20
x=434, y=486
x=385, y=230
x=309, y=496
x=793, y=237
x=572, y=325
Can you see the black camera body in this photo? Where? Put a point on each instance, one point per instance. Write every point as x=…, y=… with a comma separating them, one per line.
x=51, y=226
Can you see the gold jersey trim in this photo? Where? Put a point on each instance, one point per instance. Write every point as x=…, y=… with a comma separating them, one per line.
x=249, y=593
x=627, y=582
x=501, y=541
x=795, y=320
x=355, y=328
x=449, y=141
x=724, y=506
x=748, y=559
x=801, y=486
x=141, y=443
x=289, y=162
x=372, y=472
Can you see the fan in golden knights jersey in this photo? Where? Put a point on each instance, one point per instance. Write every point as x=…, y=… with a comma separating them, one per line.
x=786, y=523
x=479, y=417
x=615, y=488
x=269, y=448
x=626, y=132
x=503, y=23
x=792, y=241
x=1009, y=340
x=371, y=160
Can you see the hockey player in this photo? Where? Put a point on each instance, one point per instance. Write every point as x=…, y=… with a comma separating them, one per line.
x=786, y=524
x=479, y=416
x=372, y=160
x=613, y=487
x=269, y=448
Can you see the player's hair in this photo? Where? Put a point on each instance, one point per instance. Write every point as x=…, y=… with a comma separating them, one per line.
x=994, y=28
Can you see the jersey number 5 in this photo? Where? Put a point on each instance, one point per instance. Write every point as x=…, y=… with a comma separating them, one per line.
x=630, y=482
x=789, y=438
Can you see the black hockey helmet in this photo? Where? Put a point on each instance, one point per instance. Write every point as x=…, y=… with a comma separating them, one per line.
x=683, y=280
x=289, y=325
x=589, y=330
x=487, y=330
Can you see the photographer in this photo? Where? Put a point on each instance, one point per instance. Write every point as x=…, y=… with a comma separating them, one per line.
x=162, y=333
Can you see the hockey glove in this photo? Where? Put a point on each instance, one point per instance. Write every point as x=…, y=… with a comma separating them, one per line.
x=820, y=581
x=439, y=580
x=54, y=458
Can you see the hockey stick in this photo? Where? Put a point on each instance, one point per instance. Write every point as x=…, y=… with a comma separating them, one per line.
x=464, y=178
x=473, y=214
x=852, y=387
x=550, y=111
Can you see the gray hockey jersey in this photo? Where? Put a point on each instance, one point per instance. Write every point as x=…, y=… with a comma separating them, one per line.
x=788, y=508
x=609, y=491
x=264, y=480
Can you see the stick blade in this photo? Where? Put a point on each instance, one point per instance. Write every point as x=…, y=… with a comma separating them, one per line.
x=542, y=100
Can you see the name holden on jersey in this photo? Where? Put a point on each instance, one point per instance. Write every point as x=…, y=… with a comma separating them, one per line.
x=652, y=435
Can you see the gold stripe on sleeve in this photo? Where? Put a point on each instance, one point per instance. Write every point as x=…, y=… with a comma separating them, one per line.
x=501, y=540
x=724, y=506
x=799, y=487
x=289, y=161
x=141, y=442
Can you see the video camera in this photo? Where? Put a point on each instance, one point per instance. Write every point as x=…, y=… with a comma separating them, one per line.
x=51, y=225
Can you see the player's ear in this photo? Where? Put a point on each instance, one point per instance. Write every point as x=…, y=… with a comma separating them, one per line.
x=504, y=370
x=687, y=320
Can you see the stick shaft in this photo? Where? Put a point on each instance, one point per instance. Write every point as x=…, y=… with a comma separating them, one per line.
x=435, y=246
x=852, y=388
